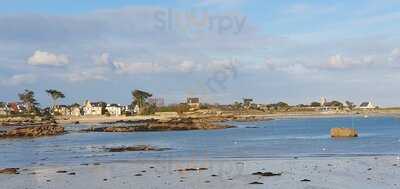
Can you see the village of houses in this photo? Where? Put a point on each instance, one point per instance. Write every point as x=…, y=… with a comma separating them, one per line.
x=194, y=104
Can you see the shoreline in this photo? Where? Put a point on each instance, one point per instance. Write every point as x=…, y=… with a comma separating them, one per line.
x=258, y=117
x=345, y=172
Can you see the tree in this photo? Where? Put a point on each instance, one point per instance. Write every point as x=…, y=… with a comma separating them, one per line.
x=55, y=95
x=75, y=105
x=337, y=103
x=28, y=98
x=315, y=104
x=282, y=105
x=350, y=105
x=139, y=98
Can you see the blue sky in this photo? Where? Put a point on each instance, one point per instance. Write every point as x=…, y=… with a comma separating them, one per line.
x=219, y=50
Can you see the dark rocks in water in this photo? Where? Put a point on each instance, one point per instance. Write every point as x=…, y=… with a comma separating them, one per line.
x=135, y=148
x=267, y=174
x=10, y=171
x=138, y=175
x=72, y=173
x=252, y=127
x=111, y=129
x=131, y=121
x=251, y=119
x=256, y=182
x=305, y=180
x=192, y=169
x=27, y=121
x=61, y=171
x=33, y=131
x=214, y=175
x=183, y=124
x=77, y=122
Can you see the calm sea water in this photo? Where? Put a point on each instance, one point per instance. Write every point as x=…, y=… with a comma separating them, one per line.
x=270, y=139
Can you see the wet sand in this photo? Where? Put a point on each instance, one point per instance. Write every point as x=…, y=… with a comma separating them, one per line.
x=329, y=172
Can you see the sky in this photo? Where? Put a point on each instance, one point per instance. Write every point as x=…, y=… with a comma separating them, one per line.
x=219, y=50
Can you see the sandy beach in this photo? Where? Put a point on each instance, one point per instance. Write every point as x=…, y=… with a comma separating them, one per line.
x=345, y=172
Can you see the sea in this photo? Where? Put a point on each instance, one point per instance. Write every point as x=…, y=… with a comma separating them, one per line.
x=279, y=138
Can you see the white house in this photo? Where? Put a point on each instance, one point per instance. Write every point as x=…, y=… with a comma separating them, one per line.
x=75, y=111
x=367, y=106
x=4, y=111
x=93, y=109
x=193, y=103
x=114, y=109
x=62, y=110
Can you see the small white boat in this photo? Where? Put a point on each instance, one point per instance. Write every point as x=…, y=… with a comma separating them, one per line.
x=366, y=116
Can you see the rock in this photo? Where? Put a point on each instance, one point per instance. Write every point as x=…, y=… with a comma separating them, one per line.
x=135, y=148
x=61, y=172
x=192, y=169
x=267, y=174
x=182, y=124
x=10, y=171
x=34, y=131
x=256, y=182
x=138, y=175
x=305, y=180
x=343, y=132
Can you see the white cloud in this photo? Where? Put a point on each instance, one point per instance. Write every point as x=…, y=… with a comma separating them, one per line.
x=48, y=59
x=103, y=59
x=337, y=61
x=137, y=68
x=85, y=76
x=186, y=66
x=19, y=79
x=395, y=56
x=340, y=62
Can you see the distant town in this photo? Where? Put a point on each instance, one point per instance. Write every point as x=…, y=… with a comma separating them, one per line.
x=143, y=103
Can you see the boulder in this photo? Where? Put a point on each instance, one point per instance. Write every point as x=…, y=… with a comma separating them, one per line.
x=343, y=132
x=10, y=171
x=135, y=148
x=34, y=131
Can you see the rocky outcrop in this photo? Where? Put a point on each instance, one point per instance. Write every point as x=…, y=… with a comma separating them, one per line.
x=182, y=124
x=10, y=171
x=266, y=174
x=343, y=132
x=33, y=131
x=135, y=148
x=26, y=121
